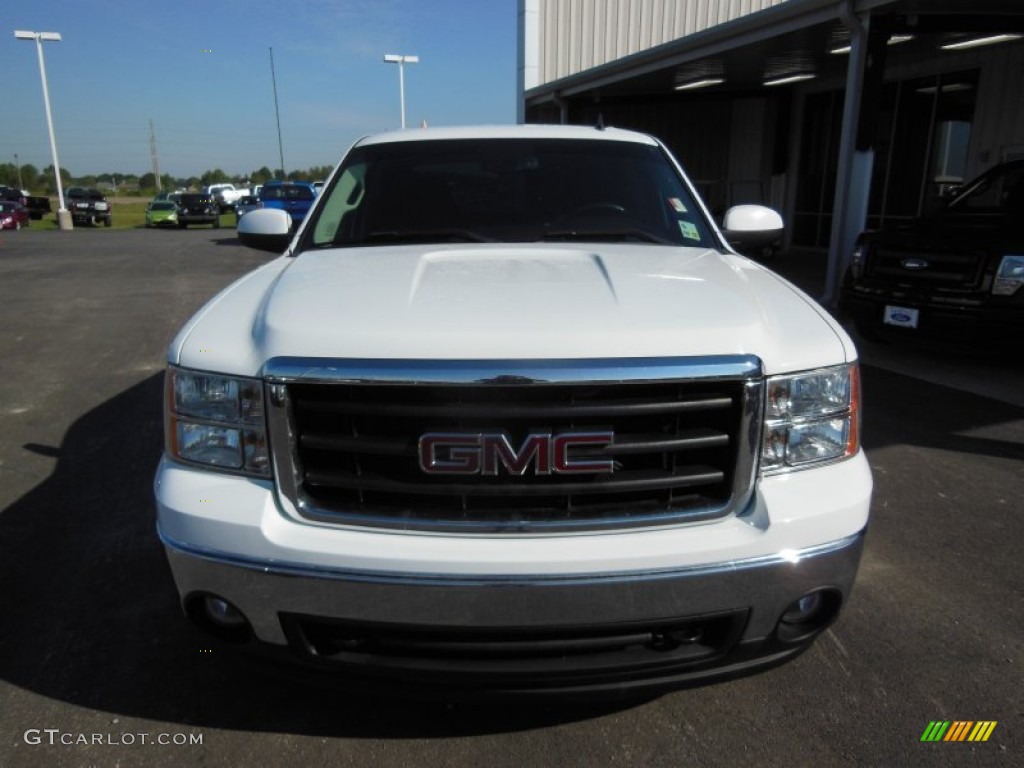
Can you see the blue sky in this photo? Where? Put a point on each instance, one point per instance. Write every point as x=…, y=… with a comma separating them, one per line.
x=201, y=72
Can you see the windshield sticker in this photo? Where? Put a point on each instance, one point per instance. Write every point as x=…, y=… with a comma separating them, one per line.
x=677, y=205
x=689, y=230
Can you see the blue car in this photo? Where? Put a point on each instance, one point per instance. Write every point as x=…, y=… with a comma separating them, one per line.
x=294, y=197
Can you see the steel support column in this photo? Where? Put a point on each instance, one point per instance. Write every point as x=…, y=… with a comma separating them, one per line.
x=853, y=173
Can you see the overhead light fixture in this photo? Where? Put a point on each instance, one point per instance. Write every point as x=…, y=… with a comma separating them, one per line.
x=893, y=40
x=702, y=83
x=401, y=60
x=699, y=74
x=787, y=79
x=947, y=88
x=975, y=42
x=53, y=37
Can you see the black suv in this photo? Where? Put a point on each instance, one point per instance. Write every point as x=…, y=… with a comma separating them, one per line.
x=198, y=208
x=955, y=275
x=88, y=206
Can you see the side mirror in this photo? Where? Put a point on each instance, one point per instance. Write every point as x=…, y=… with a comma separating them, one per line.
x=751, y=227
x=267, y=229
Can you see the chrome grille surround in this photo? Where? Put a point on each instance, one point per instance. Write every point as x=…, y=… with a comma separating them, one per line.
x=707, y=409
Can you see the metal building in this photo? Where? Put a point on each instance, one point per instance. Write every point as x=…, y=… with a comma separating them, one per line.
x=843, y=114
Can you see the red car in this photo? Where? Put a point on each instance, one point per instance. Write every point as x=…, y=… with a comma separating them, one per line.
x=13, y=215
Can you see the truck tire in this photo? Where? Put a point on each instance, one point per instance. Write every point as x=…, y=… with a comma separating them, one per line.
x=108, y=222
x=183, y=225
x=216, y=223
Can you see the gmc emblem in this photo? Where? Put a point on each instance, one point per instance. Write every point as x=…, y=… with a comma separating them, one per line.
x=461, y=453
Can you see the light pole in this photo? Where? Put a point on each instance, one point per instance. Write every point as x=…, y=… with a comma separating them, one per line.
x=63, y=217
x=401, y=61
x=277, y=113
x=17, y=163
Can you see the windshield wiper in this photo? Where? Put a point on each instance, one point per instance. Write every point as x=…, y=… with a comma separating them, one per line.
x=424, y=236
x=606, y=235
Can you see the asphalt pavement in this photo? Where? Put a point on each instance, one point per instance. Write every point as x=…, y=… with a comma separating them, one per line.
x=98, y=667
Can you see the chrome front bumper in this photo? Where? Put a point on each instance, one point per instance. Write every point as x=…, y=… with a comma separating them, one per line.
x=277, y=598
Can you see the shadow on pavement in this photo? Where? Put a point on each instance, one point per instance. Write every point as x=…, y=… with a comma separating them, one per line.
x=91, y=617
x=903, y=410
x=232, y=241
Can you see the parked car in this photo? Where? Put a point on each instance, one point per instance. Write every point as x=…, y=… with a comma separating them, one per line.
x=244, y=205
x=954, y=275
x=198, y=208
x=168, y=195
x=88, y=206
x=162, y=213
x=13, y=215
x=294, y=197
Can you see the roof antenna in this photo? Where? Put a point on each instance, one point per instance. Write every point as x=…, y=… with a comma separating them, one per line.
x=600, y=121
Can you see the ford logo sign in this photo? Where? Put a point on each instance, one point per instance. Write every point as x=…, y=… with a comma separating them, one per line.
x=914, y=264
x=902, y=317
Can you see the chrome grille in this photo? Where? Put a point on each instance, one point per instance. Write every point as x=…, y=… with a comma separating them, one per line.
x=952, y=267
x=345, y=441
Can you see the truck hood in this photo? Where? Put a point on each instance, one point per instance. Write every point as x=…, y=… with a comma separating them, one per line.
x=512, y=302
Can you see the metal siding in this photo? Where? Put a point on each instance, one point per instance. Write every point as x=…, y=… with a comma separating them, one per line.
x=581, y=34
x=588, y=36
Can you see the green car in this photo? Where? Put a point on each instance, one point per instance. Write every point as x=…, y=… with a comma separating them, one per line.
x=162, y=213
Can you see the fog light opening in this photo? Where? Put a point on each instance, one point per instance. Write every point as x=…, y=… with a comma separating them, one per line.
x=804, y=609
x=222, y=613
x=219, y=617
x=808, y=615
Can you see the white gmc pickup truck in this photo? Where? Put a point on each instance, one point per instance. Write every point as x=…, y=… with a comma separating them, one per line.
x=509, y=415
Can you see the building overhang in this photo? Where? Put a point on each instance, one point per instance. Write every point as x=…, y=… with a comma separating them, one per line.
x=789, y=40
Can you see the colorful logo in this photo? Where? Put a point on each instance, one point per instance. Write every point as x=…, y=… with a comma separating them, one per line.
x=958, y=730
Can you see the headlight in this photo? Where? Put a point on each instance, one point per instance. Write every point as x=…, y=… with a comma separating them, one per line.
x=1010, y=276
x=216, y=421
x=857, y=261
x=811, y=418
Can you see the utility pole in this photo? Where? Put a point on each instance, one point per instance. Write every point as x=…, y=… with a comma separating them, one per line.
x=17, y=163
x=152, y=155
x=277, y=112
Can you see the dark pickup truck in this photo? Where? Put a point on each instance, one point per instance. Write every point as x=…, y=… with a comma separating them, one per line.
x=88, y=206
x=38, y=206
x=954, y=276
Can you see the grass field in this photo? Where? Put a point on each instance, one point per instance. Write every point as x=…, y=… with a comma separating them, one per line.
x=127, y=213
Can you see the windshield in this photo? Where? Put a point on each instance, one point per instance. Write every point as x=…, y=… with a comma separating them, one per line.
x=287, y=192
x=1000, y=190
x=508, y=190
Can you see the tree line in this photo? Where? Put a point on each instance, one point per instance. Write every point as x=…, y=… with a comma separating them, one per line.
x=42, y=182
